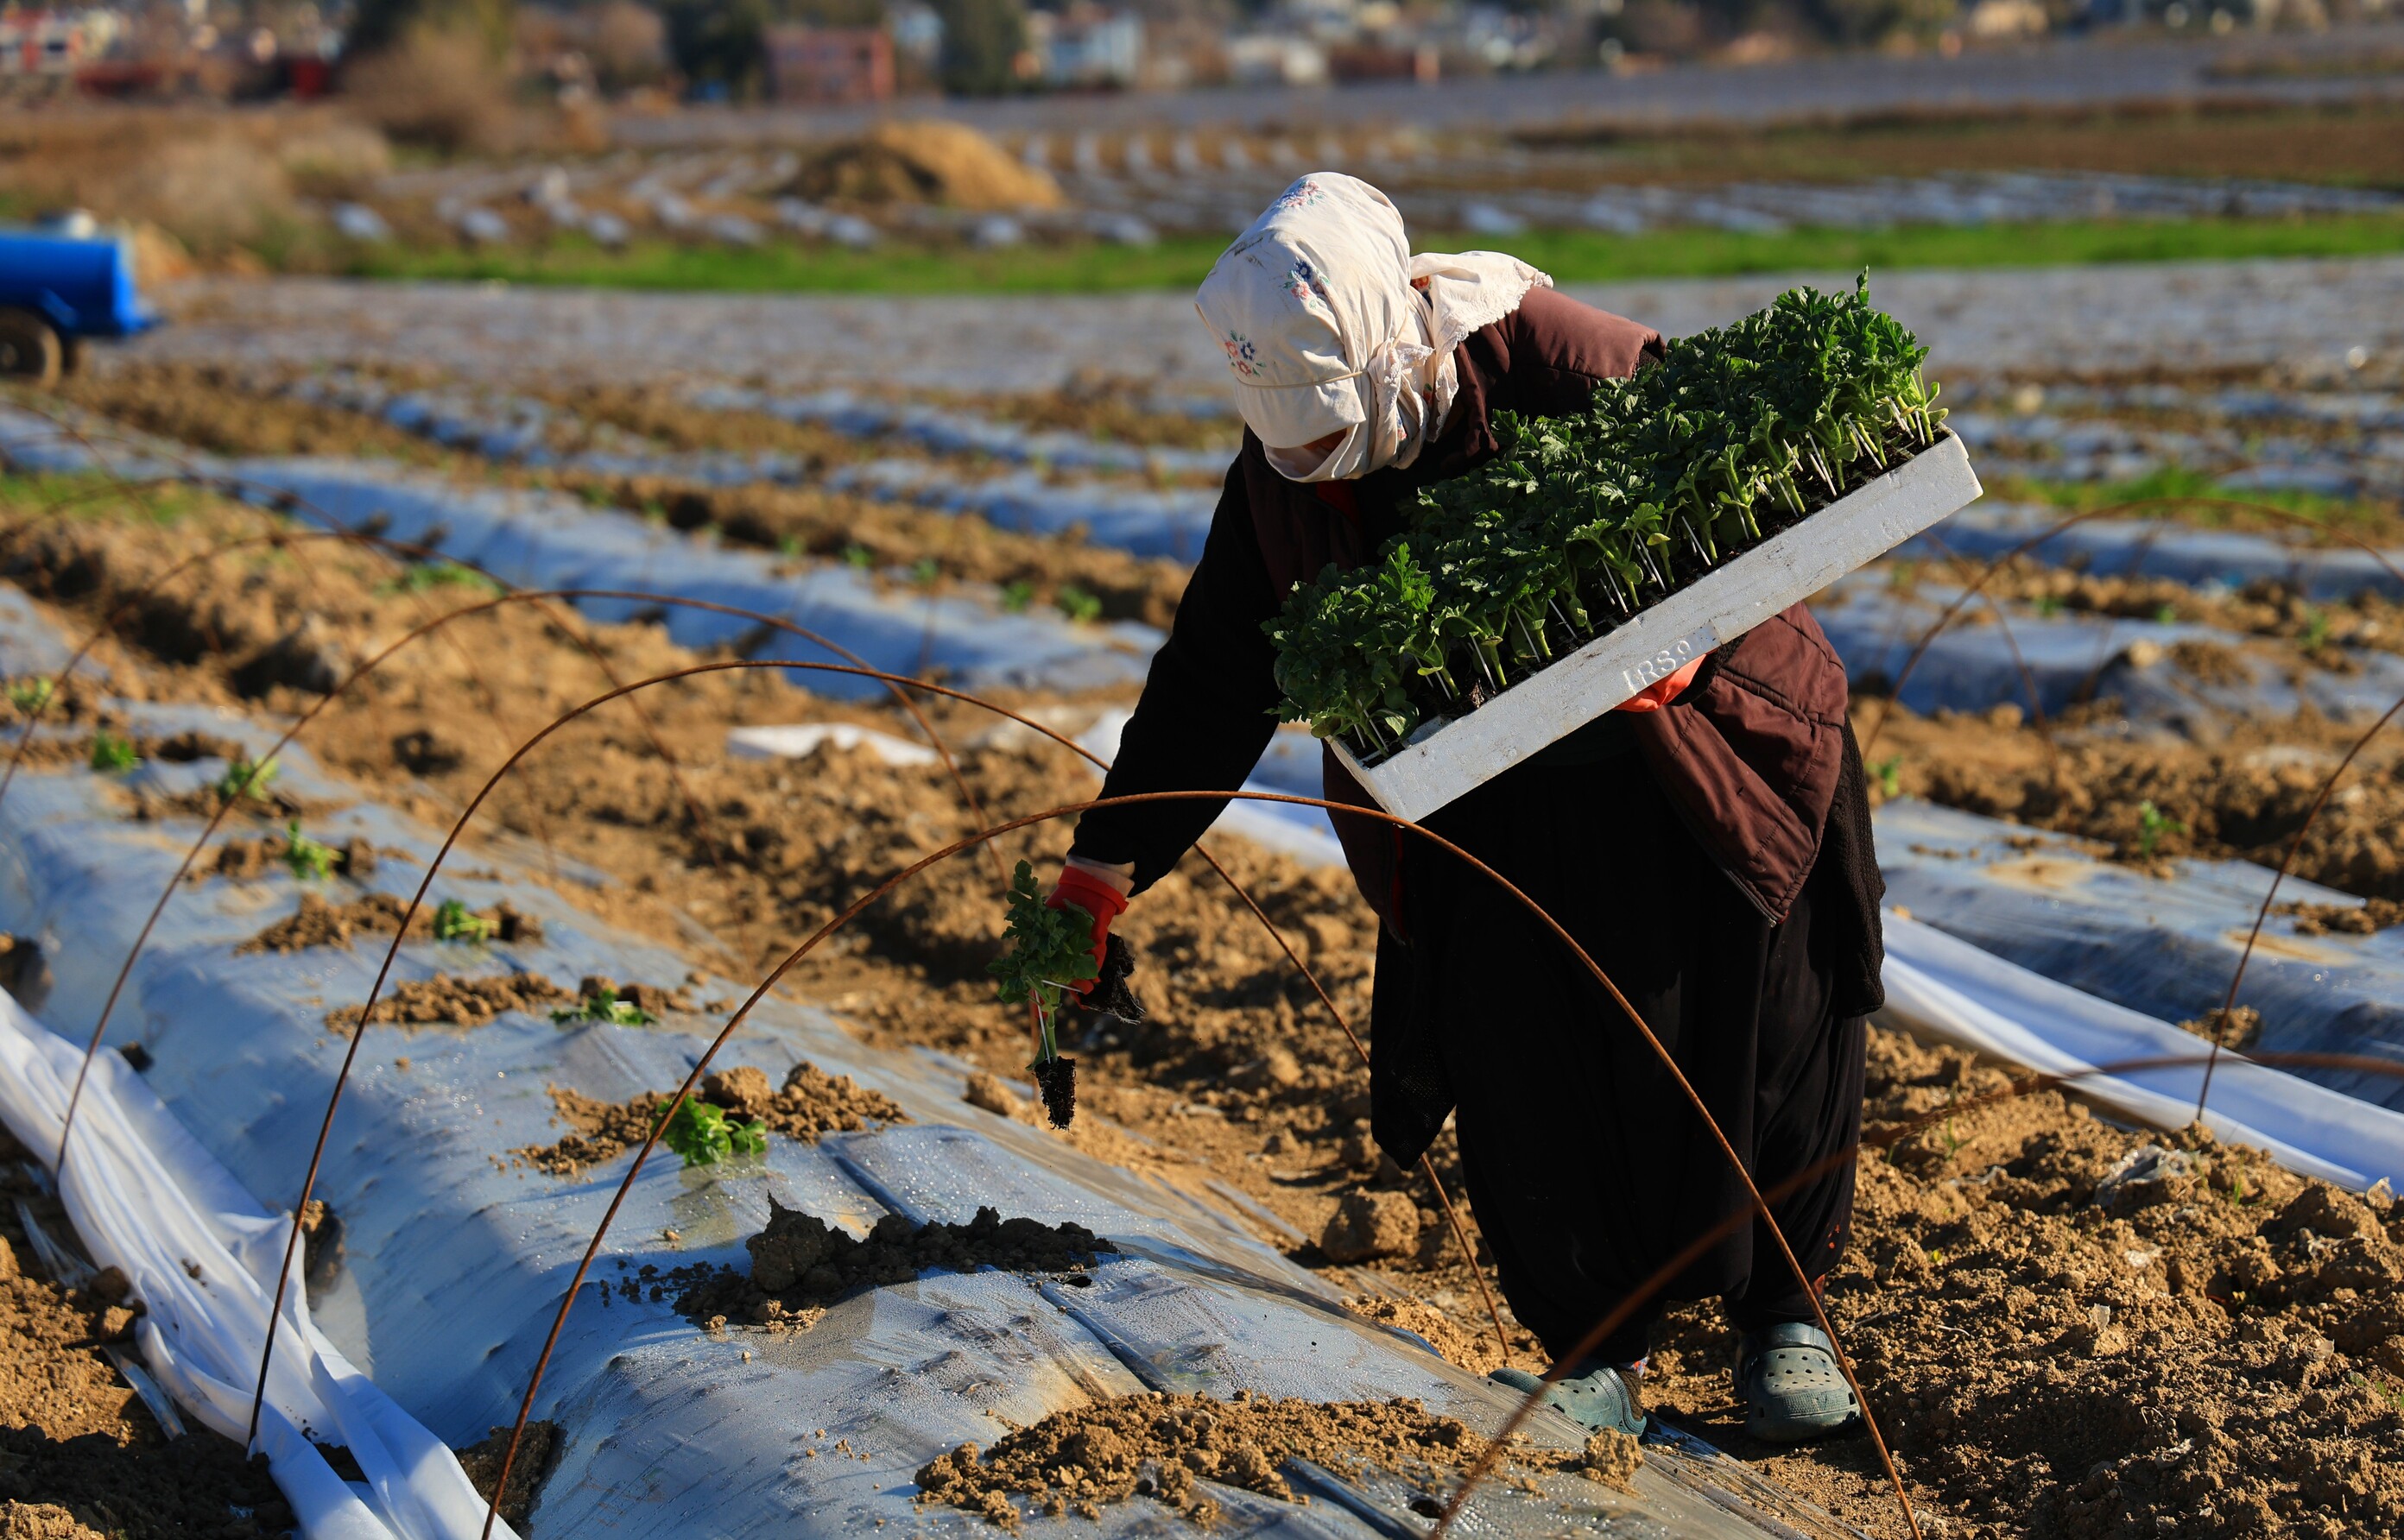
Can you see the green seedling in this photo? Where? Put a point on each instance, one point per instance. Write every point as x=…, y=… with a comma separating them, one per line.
x=455, y=922
x=704, y=1135
x=607, y=1007
x=30, y=696
x=789, y=545
x=859, y=556
x=1051, y=952
x=1078, y=605
x=310, y=859
x=243, y=778
x=594, y=495
x=111, y=755
x=654, y=512
x=925, y=572
x=1889, y=771
x=1016, y=595
x=2166, y=615
x=2316, y=630
x=443, y=574
x=2049, y=606
x=2152, y=823
x=1580, y=523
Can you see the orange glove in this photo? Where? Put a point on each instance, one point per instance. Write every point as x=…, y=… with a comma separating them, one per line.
x=1659, y=693
x=1097, y=898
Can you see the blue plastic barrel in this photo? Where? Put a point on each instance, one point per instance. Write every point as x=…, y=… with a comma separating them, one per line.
x=83, y=287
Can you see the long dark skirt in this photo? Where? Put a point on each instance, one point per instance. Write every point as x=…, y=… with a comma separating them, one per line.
x=1588, y=1167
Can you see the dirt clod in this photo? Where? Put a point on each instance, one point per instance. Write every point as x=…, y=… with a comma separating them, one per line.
x=800, y=1263
x=811, y=1103
x=987, y=1090
x=1369, y=1224
x=1156, y=1446
x=319, y=923
x=462, y=1001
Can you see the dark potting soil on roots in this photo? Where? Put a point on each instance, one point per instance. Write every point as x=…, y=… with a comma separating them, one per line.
x=800, y=1264
x=1158, y=1446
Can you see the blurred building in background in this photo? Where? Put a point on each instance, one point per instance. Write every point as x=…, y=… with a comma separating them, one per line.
x=830, y=65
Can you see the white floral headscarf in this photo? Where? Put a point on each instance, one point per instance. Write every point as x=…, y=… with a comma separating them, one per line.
x=1330, y=324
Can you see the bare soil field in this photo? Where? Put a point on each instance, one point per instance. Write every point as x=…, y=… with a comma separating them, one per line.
x=2061, y=1341
x=246, y=413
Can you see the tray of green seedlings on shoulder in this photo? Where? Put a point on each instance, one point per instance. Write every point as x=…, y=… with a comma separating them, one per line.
x=1051, y=955
x=1600, y=552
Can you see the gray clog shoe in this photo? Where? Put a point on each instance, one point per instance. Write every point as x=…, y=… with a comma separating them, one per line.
x=1787, y=1376
x=1602, y=1399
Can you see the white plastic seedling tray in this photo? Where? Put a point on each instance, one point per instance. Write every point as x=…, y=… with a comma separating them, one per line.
x=1464, y=753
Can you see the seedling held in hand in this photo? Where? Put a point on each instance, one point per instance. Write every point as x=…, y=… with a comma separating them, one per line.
x=111, y=753
x=310, y=859
x=704, y=1135
x=1051, y=952
x=455, y=922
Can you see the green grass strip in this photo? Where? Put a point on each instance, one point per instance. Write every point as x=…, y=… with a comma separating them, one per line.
x=1571, y=256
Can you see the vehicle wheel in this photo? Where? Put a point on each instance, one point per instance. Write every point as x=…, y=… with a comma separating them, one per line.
x=29, y=350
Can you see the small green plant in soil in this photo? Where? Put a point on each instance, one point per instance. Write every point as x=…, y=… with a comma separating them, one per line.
x=2152, y=823
x=704, y=1135
x=859, y=556
x=455, y=922
x=1889, y=771
x=112, y=754
x=442, y=574
x=311, y=860
x=604, y=1006
x=1016, y=595
x=1078, y=605
x=1051, y=952
x=2316, y=630
x=29, y=695
x=1581, y=522
x=247, y=778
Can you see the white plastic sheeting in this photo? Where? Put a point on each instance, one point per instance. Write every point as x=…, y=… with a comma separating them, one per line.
x=2163, y=947
x=1951, y=991
x=202, y=1254
x=454, y=1255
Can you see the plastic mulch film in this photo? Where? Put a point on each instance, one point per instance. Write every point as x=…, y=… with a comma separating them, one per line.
x=2153, y=547
x=454, y=1252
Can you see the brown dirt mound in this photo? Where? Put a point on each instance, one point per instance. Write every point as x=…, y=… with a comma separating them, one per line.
x=2243, y=797
x=923, y=161
x=229, y=412
x=448, y=999
x=800, y=1264
x=319, y=923
x=2375, y=915
x=812, y=1103
x=2265, y=606
x=1156, y=1446
x=78, y=1452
